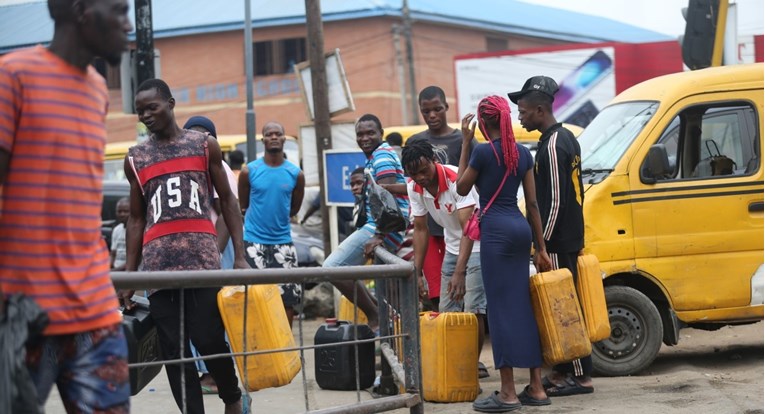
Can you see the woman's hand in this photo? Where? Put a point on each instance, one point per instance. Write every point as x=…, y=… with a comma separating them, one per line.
x=468, y=127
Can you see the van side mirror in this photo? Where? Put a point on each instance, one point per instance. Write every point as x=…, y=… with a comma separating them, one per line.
x=656, y=165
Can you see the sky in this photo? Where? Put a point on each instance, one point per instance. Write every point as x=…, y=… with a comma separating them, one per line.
x=662, y=16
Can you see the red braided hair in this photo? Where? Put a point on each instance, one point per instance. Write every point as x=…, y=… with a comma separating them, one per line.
x=496, y=110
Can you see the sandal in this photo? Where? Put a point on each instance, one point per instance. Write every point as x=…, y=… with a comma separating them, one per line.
x=494, y=404
x=526, y=399
x=546, y=383
x=569, y=387
x=482, y=371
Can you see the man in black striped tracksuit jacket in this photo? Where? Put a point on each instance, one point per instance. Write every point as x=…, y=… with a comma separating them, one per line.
x=560, y=193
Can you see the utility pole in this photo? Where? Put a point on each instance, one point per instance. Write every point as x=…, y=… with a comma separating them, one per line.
x=144, y=42
x=400, y=73
x=252, y=152
x=410, y=62
x=321, y=121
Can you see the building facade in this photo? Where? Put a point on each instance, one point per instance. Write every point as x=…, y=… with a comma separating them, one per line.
x=201, y=51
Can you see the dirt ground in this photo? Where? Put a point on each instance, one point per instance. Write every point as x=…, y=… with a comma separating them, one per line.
x=707, y=372
x=718, y=372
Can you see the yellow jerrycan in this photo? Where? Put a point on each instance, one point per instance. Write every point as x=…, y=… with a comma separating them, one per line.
x=449, y=343
x=592, y=297
x=267, y=328
x=345, y=313
x=559, y=317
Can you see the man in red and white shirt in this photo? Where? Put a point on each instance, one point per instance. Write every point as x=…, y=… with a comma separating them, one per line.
x=433, y=190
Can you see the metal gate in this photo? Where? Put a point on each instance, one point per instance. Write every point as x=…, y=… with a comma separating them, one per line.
x=397, y=296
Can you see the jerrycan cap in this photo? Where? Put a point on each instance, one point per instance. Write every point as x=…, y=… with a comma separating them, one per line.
x=331, y=321
x=434, y=315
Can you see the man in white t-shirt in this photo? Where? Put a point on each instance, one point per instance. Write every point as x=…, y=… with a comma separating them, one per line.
x=433, y=190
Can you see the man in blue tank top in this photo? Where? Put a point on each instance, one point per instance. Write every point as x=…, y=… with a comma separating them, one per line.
x=271, y=191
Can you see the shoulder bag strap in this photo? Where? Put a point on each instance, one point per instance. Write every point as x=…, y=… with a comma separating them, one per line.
x=496, y=193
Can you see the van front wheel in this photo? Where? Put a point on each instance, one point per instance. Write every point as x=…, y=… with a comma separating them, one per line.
x=636, y=333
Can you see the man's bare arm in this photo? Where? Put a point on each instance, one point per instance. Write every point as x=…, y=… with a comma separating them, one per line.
x=228, y=203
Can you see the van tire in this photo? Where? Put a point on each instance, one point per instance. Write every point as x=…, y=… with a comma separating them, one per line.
x=636, y=334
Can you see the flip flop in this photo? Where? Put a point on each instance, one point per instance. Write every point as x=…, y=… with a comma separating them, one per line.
x=526, y=399
x=482, y=371
x=569, y=387
x=207, y=389
x=494, y=404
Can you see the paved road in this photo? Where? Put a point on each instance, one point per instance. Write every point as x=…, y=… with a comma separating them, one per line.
x=717, y=372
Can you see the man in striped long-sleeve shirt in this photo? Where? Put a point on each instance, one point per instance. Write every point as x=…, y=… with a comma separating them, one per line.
x=53, y=106
x=384, y=166
x=560, y=193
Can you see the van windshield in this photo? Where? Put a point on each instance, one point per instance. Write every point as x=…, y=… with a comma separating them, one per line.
x=114, y=169
x=608, y=136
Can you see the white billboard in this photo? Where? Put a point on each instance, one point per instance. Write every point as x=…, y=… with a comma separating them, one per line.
x=585, y=77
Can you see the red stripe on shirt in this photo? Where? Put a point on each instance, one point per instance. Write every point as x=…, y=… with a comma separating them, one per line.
x=198, y=163
x=178, y=226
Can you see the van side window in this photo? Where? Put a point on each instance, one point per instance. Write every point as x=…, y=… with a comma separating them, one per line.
x=712, y=141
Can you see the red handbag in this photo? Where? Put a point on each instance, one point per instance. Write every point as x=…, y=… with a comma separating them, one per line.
x=473, y=226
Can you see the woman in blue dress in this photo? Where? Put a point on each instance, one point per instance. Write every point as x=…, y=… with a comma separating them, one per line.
x=505, y=248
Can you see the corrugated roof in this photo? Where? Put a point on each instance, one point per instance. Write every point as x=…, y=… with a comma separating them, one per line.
x=29, y=23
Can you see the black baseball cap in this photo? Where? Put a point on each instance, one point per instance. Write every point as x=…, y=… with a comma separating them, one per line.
x=542, y=84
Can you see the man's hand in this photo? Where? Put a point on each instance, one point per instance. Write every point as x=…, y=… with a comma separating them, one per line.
x=369, y=247
x=124, y=297
x=241, y=263
x=422, y=284
x=542, y=261
x=456, y=287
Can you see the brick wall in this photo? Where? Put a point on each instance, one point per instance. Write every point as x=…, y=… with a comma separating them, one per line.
x=207, y=75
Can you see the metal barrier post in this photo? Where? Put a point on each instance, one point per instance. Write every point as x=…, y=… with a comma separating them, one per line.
x=410, y=321
x=387, y=384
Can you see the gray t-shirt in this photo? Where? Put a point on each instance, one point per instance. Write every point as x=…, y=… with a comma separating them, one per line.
x=451, y=145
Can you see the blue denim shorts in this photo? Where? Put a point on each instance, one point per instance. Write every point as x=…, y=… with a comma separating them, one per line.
x=475, y=297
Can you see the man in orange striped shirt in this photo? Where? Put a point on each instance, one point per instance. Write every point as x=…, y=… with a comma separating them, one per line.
x=53, y=106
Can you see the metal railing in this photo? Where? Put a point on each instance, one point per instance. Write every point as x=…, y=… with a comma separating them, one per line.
x=397, y=297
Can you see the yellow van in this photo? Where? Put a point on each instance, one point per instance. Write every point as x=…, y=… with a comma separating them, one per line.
x=114, y=153
x=673, y=175
x=114, y=160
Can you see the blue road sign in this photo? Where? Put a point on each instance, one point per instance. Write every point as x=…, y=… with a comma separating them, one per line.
x=338, y=166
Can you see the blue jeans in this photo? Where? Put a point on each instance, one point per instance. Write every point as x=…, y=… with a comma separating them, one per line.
x=351, y=251
x=475, y=296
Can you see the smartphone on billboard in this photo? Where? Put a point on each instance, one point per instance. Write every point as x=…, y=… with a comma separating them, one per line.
x=577, y=83
x=583, y=115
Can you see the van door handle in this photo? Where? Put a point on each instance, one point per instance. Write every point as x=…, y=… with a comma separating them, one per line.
x=755, y=207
